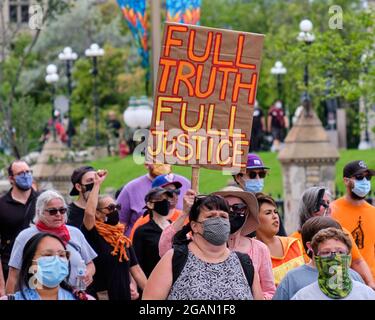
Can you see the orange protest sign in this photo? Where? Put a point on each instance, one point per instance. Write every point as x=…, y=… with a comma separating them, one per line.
x=203, y=104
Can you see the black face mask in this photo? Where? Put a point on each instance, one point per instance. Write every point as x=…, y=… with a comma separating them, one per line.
x=112, y=218
x=162, y=207
x=88, y=187
x=236, y=222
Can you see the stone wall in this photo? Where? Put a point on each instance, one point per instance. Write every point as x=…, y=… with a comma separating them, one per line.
x=299, y=177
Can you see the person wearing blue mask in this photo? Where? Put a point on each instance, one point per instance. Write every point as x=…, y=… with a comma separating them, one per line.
x=45, y=271
x=17, y=209
x=354, y=213
x=253, y=180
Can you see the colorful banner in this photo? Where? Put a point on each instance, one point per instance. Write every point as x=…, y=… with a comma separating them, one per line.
x=204, y=99
x=134, y=12
x=183, y=11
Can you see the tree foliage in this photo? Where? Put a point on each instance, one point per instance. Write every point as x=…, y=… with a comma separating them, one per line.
x=335, y=51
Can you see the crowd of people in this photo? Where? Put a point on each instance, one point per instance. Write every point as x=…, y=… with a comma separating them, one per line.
x=268, y=132
x=159, y=239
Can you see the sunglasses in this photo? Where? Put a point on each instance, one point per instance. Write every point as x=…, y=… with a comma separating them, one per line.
x=238, y=209
x=54, y=211
x=254, y=174
x=176, y=191
x=111, y=207
x=361, y=176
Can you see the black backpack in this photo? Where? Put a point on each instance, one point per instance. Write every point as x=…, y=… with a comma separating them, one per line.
x=180, y=256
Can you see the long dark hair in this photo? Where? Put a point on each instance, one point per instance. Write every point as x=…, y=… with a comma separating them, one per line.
x=210, y=202
x=27, y=260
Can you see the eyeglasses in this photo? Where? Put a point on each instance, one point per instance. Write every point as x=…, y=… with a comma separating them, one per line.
x=63, y=254
x=254, y=174
x=23, y=173
x=238, y=209
x=111, y=207
x=361, y=176
x=326, y=254
x=54, y=211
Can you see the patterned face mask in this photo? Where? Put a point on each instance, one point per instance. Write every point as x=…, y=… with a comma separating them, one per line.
x=334, y=279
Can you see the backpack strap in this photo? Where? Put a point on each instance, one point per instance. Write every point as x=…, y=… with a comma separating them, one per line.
x=180, y=255
x=247, y=266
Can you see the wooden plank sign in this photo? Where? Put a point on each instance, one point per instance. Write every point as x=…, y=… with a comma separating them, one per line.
x=203, y=105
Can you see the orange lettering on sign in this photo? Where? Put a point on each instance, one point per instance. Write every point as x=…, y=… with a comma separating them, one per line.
x=192, y=56
x=238, y=84
x=184, y=77
x=211, y=82
x=224, y=84
x=239, y=53
x=216, y=54
x=170, y=41
x=167, y=64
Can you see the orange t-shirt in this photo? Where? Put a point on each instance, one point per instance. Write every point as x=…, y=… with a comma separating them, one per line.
x=143, y=220
x=360, y=221
x=356, y=255
x=293, y=257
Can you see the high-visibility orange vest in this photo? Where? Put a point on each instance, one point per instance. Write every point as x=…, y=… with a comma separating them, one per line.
x=293, y=257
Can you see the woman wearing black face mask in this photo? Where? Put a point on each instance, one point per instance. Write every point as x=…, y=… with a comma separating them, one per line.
x=146, y=237
x=116, y=257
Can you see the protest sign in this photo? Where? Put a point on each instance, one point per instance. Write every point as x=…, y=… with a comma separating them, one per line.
x=203, y=104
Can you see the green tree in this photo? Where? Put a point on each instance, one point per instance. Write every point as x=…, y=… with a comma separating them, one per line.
x=16, y=48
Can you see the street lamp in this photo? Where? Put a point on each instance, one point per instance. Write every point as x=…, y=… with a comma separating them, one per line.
x=308, y=38
x=69, y=56
x=94, y=52
x=51, y=78
x=137, y=115
x=278, y=70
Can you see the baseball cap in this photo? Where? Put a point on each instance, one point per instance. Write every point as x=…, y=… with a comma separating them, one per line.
x=254, y=162
x=357, y=167
x=77, y=176
x=155, y=193
x=165, y=180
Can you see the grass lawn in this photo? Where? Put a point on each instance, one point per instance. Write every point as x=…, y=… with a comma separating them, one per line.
x=123, y=170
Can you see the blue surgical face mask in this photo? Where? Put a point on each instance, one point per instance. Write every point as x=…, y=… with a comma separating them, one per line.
x=254, y=185
x=361, y=187
x=24, y=181
x=52, y=270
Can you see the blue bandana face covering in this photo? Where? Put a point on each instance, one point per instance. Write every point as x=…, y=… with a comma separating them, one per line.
x=254, y=185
